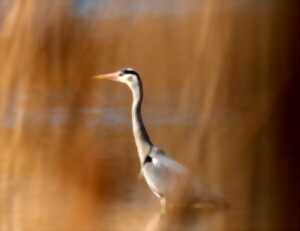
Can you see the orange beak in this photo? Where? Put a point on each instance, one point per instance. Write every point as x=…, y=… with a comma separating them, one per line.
x=111, y=76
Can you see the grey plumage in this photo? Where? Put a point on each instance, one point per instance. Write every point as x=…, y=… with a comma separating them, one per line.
x=163, y=174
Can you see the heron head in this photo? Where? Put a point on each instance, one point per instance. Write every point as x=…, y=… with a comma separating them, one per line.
x=126, y=75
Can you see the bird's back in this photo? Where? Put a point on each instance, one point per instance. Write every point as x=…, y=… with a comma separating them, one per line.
x=162, y=173
x=168, y=178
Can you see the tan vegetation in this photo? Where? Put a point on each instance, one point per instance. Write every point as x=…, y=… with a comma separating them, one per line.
x=210, y=85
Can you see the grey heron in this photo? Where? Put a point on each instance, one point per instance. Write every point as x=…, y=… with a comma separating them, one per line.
x=162, y=173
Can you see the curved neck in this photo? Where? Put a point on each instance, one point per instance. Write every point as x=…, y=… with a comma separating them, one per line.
x=141, y=137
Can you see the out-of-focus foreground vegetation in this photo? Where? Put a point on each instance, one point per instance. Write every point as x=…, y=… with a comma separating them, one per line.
x=220, y=97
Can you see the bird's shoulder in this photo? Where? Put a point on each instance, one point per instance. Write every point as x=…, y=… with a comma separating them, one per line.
x=161, y=159
x=157, y=151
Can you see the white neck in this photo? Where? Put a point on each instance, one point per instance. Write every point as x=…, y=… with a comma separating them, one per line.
x=141, y=137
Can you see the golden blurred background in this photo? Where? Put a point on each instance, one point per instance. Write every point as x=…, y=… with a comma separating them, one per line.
x=220, y=96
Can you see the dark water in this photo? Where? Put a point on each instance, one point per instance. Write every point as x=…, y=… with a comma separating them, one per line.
x=167, y=7
x=94, y=117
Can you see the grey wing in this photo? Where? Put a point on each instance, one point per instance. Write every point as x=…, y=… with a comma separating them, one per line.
x=160, y=160
x=163, y=173
x=165, y=176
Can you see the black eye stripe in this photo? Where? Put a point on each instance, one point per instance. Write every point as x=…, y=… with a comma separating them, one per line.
x=128, y=72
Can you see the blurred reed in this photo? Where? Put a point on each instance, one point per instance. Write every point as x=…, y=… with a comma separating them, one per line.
x=64, y=167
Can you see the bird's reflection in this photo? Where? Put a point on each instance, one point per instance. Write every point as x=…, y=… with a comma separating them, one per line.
x=154, y=222
x=176, y=220
x=185, y=220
